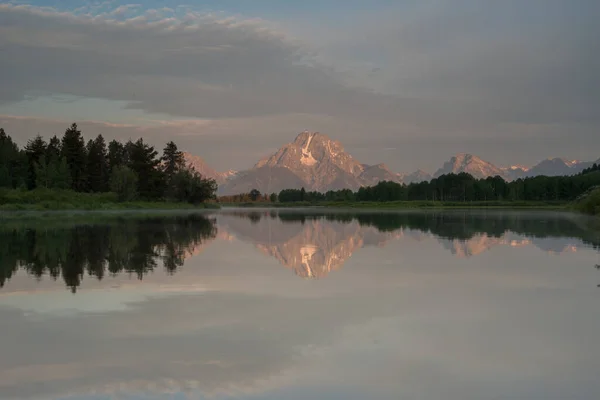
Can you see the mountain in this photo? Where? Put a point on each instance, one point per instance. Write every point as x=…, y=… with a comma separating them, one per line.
x=318, y=163
x=205, y=170
x=416, y=177
x=265, y=179
x=312, y=161
x=470, y=164
x=558, y=166
x=515, y=172
x=372, y=174
x=316, y=159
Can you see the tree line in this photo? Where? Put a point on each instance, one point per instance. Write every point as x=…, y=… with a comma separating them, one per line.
x=460, y=187
x=133, y=170
x=134, y=246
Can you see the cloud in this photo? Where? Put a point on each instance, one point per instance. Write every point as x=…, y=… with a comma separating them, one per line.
x=121, y=10
x=194, y=66
x=439, y=78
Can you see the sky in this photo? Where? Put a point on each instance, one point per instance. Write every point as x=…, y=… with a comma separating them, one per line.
x=405, y=82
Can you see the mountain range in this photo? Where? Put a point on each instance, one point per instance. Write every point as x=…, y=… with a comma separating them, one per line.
x=316, y=162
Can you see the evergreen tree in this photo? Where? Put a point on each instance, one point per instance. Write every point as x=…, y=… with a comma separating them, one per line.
x=143, y=161
x=60, y=178
x=35, y=150
x=53, y=174
x=53, y=149
x=172, y=159
x=254, y=194
x=97, y=165
x=116, y=155
x=5, y=178
x=73, y=150
x=189, y=186
x=124, y=182
x=13, y=165
x=42, y=173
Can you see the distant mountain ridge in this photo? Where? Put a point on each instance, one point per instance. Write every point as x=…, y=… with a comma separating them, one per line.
x=313, y=161
x=470, y=164
x=316, y=162
x=205, y=170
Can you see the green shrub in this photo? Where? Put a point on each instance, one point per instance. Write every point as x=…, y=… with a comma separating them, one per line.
x=589, y=202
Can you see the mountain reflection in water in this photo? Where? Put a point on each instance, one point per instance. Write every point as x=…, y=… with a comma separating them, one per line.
x=312, y=244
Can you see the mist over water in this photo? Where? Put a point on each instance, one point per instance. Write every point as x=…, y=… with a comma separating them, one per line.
x=291, y=304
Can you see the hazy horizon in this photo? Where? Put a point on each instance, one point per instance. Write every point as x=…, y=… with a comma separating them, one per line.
x=407, y=83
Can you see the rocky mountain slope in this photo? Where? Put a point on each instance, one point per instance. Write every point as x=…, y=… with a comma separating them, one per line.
x=558, y=166
x=205, y=170
x=470, y=164
x=313, y=161
x=416, y=177
x=316, y=162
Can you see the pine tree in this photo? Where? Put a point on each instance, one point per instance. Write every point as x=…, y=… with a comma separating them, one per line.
x=5, y=178
x=116, y=155
x=172, y=159
x=124, y=182
x=53, y=149
x=143, y=161
x=254, y=194
x=35, y=150
x=97, y=165
x=12, y=165
x=73, y=150
x=42, y=173
x=61, y=178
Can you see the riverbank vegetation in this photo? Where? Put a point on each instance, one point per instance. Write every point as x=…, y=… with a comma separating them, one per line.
x=67, y=172
x=447, y=191
x=589, y=202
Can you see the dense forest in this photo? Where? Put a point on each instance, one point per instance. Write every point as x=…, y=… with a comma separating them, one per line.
x=135, y=246
x=133, y=170
x=461, y=188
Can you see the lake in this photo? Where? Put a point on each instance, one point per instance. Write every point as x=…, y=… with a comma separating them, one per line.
x=300, y=304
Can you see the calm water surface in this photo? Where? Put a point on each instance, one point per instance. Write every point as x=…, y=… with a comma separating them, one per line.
x=294, y=304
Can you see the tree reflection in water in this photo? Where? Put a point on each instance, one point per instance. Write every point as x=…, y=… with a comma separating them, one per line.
x=133, y=245
x=138, y=245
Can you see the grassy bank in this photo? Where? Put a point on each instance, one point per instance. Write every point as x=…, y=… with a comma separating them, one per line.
x=47, y=199
x=589, y=203
x=400, y=205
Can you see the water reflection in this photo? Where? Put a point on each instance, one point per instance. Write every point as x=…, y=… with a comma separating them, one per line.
x=413, y=305
x=113, y=246
x=312, y=244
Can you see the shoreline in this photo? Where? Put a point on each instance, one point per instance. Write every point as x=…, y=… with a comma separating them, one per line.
x=132, y=206
x=409, y=205
x=14, y=209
